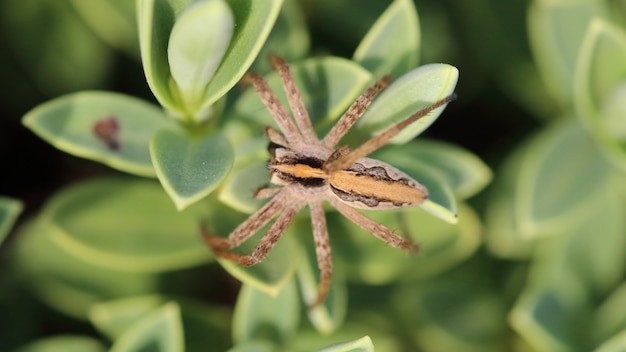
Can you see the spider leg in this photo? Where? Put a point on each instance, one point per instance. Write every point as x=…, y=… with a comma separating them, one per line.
x=294, y=98
x=322, y=250
x=275, y=137
x=268, y=241
x=273, y=105
x=381, y=139
x=266, y=192
x=380, y=231
x=354, y=112
x=247, y=228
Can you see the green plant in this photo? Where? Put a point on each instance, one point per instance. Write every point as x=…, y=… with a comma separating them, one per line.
x=105, y=249
x=559, y=200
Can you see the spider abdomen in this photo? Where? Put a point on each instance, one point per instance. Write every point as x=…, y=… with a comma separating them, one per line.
x=373, y=184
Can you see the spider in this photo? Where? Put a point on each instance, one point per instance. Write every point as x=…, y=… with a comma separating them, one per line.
x=308, y=171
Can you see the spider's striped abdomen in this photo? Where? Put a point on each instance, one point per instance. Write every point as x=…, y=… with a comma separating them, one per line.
x=372, y=184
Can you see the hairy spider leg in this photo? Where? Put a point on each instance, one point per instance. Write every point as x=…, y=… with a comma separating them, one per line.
x=353, y=113
x=382, y=138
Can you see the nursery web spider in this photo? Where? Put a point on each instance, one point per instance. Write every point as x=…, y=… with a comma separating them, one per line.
x=309, y=171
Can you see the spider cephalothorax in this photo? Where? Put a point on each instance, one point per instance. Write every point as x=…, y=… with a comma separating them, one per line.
x=309, y=171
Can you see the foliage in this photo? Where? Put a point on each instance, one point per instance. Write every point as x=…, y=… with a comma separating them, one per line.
x=535, y=264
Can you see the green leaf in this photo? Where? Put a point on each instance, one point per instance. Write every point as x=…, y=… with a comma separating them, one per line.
x=548, y=202
x=125, y=225
x=545, y=314
x=328, y=316
x=288, y=39
x=364, y=344
x=238, y=191
x=442, y=245
x=110, y=128
x=253, y=23
x=441, y=201
x=113, y=21
x=161, y=330
x=381, y=52
x=600, y=87
x=570, y=269
x=64, y=343
x=597, y=257
x=502, y=231
x=10, y=209
x=407, y=95
x=156, y=20
x=204, y=325
x=614, y=143
x=65, y=282
x=328, y=86
x=457, y=311
x=615, y=344
x=190, y=168
x=54, y=48
x=608, y=319
x=254, y=346
x=260, y=316
x=113, y=318
x=197, y=44
x=556, y=30
x=462, y=170
x=546, y=320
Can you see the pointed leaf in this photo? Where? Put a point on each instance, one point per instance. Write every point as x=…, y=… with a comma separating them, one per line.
x=126, y=225
x=600, y=87
x=253, y=23
x=156, y=19
x=10, y=209
x=364, y=344
x=260, y=316
x=110, y=128
x=197, y=44
x=161, y=330
x=64, y=343
x=546, y=201
x=407, y=95
x=556, y=30
x=190, y=168
x=381, y=52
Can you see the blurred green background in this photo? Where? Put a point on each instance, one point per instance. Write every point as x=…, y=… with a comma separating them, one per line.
x=541, y=100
